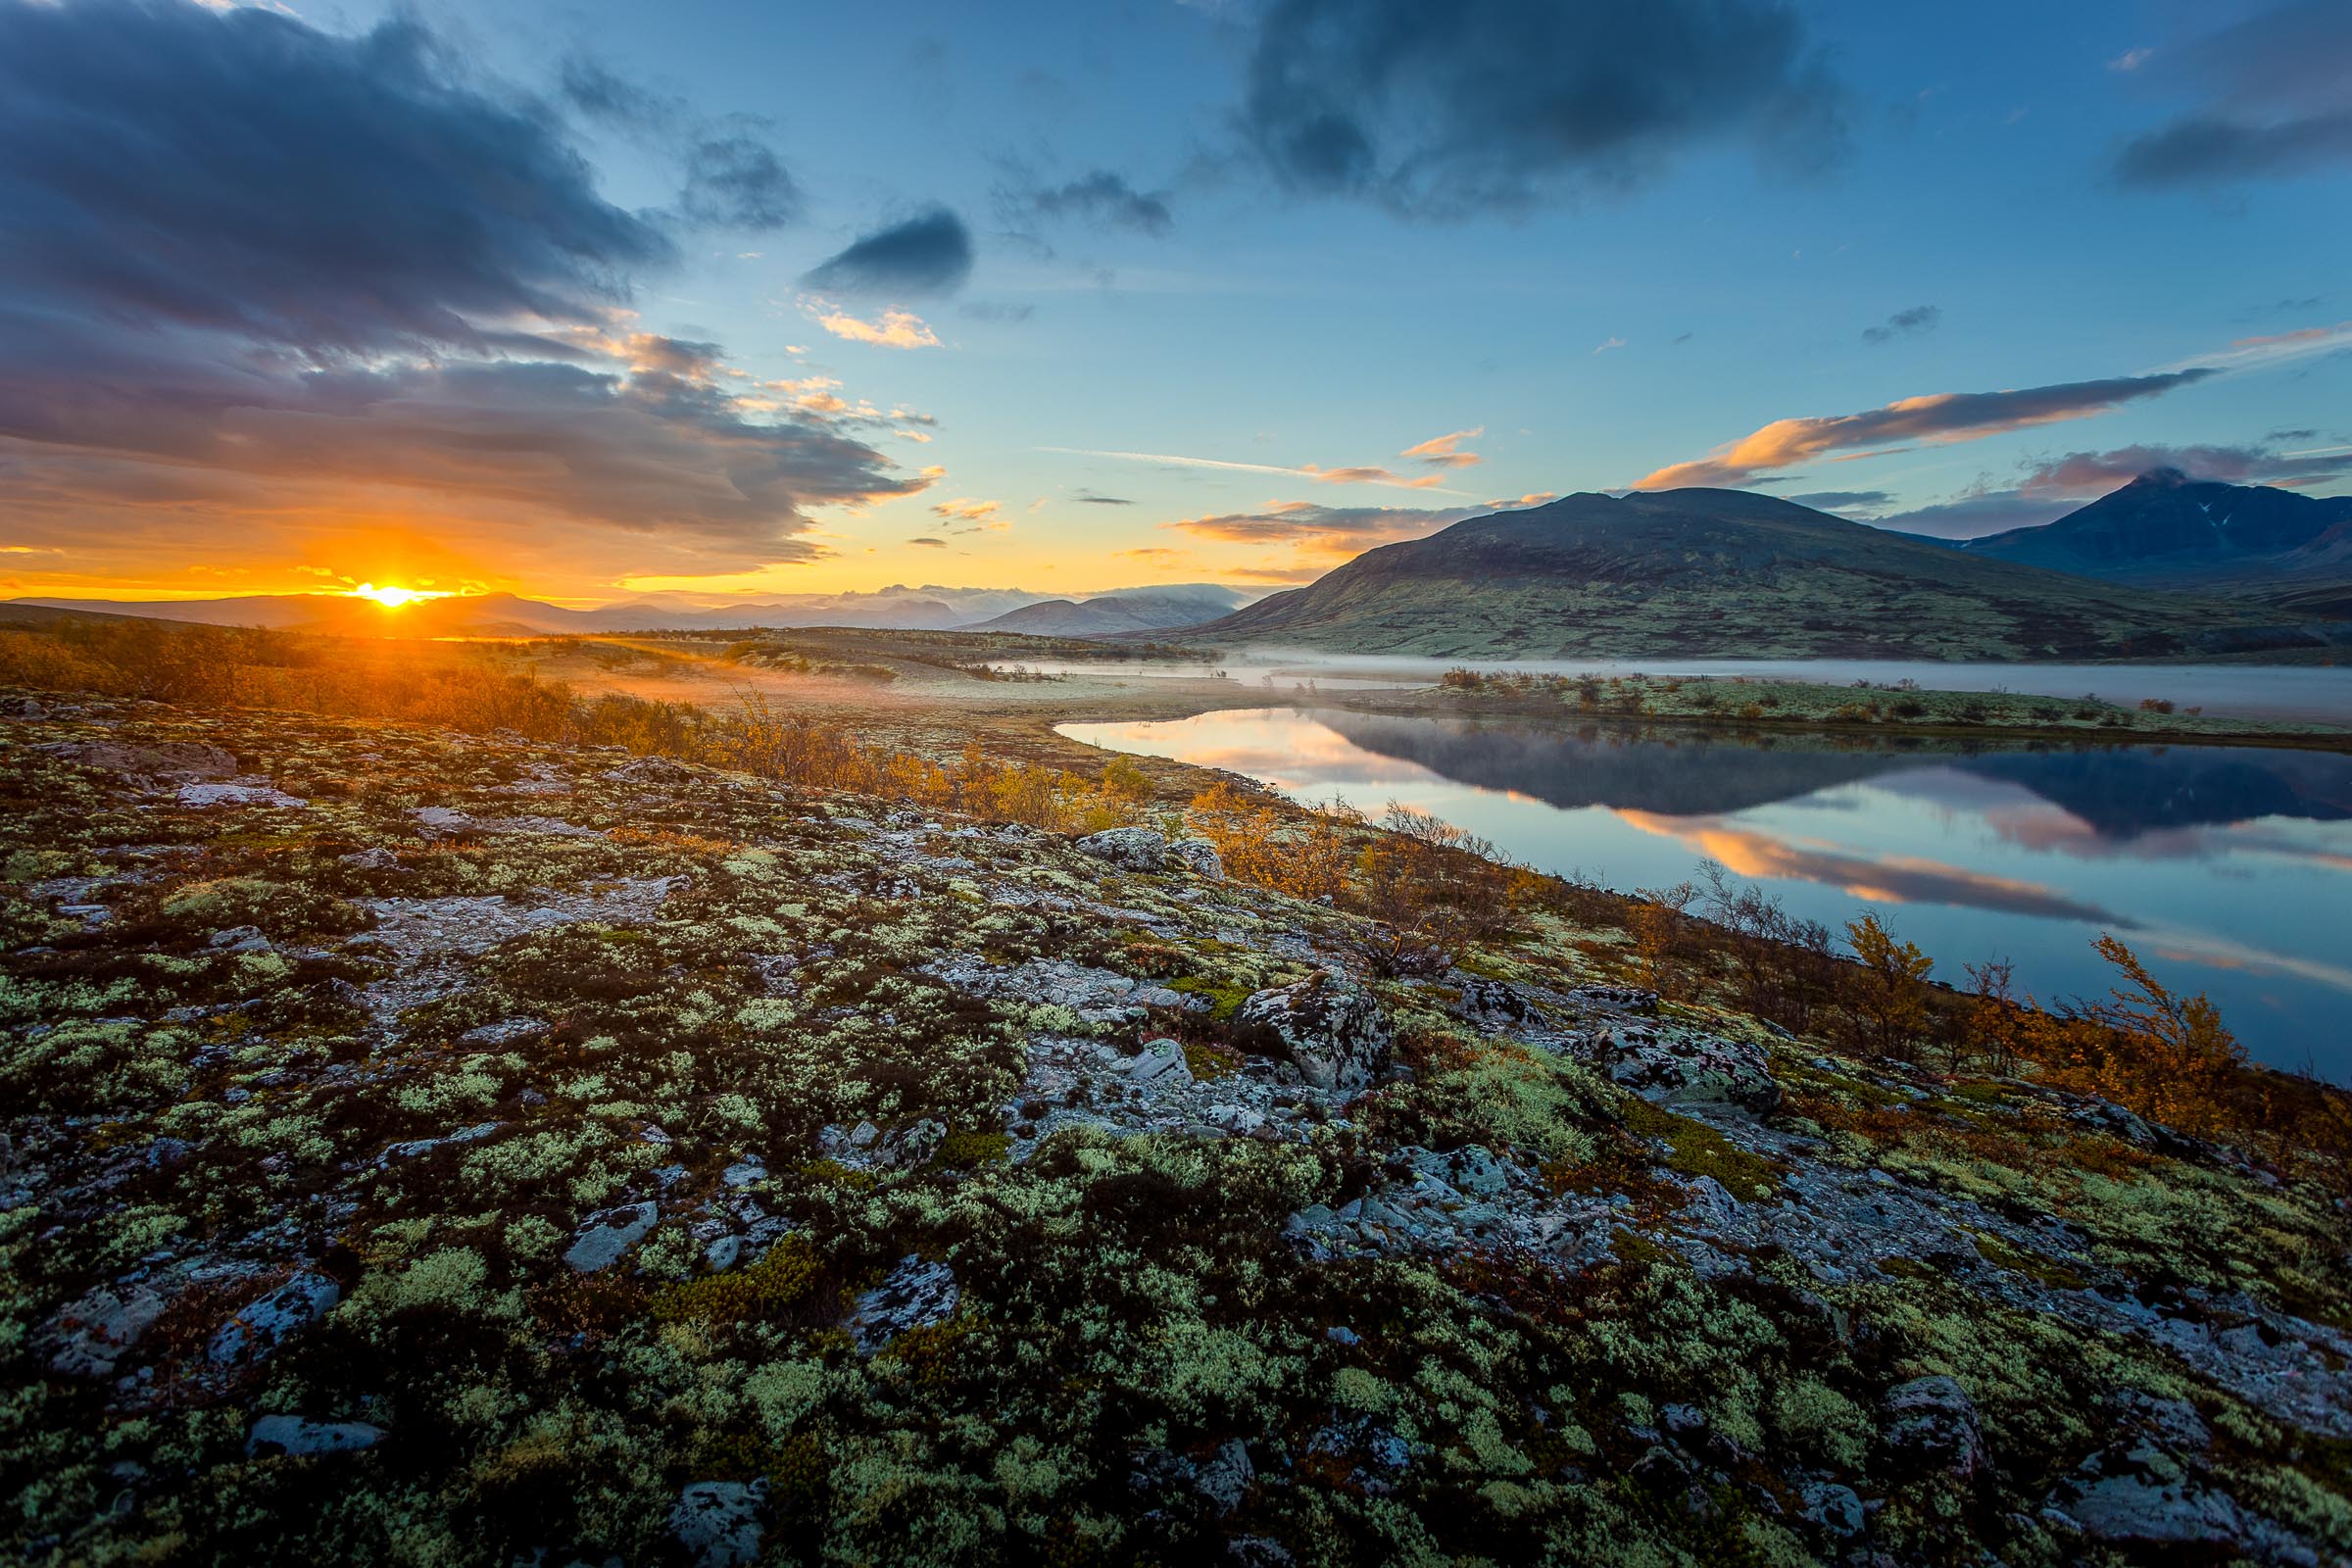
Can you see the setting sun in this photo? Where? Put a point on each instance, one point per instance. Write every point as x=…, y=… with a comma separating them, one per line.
x=392, y=597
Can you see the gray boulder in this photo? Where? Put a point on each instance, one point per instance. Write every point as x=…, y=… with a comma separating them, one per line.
x=261, y=1326
x=299, y=1439
x=173, y=762
x=1671, y=1066
x=913, y=1295
x=720, y=1523
x=1932, y=1426
x=1329, y=1027
x=608, y=1233
x=1199, y=856
x=95, y=1331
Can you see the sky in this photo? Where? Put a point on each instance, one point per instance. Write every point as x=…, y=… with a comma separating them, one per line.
x=589, y=299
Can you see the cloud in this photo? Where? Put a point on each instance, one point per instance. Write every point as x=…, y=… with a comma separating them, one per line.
x=1880, y=878
x=1354, y=474
x=2271, y=101
x=2130, y=60
x=1100, y=197
x=1154, y=554
x=922, y=257
x=1439, y=110
x=600, y=95
x=2048, y=488
x=1321, y=529
x=1445, y=451
x=1937, y=419
x=1843, y=500
x=894, y=329
x=996, y=310
x=1092, y=500
x=736, y=182
x=937, y=543
x=1904, y=324
x=967, y=516
x=349, y=287
x=1607, y=345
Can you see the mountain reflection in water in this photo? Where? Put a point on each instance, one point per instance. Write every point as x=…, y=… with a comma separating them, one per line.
x=2230, y=868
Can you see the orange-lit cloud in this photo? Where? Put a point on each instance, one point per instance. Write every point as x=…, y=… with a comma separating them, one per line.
x=1937, y=418
x=1444, y=450
x=1874, y=878
x=894, y=329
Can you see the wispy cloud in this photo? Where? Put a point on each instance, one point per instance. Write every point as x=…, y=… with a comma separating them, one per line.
x=1904, y=324
x=1372, y=474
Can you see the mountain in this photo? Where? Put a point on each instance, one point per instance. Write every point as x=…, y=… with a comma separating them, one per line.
x=1107, y=615
x=894, y=608
x=1697, y=572
x=2169, y=530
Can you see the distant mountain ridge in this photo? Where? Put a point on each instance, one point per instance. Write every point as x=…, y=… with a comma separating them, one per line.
x=1107, y=615
x=503, y=614
x=1697, y=572
x=2167, y=529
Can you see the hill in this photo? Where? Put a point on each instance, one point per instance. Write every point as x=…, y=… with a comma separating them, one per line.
x=1699, y=572
x=2165, y=530
x=1106, y=614
x=503, y=614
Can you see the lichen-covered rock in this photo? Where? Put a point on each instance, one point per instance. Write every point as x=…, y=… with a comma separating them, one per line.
x=259, y=1328
x=1199, y=856
x=95, y=1331
x=1932, y=1426
x=1328, y=1028
x=1136, y=849
x=1669, y=1065
x=608, y=1235
x=300, y=1439
x=913, y=1295
x=719, y=1524
x=164, y=762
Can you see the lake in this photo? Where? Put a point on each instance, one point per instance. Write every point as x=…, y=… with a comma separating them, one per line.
x=2228, y=869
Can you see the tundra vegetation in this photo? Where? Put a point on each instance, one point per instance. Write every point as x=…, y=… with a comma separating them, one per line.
x=448, y=1119
x=1897, y=707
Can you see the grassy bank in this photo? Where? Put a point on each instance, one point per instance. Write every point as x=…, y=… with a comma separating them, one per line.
x=1902, y=707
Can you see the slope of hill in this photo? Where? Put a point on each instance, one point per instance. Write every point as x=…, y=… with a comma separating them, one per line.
x=1106, y=614
x=1698, y=573
x=2167, y=529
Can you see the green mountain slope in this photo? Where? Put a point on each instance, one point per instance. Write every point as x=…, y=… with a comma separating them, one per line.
x=1726, y=573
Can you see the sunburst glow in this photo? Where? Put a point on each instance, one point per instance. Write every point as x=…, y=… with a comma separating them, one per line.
x=391, y=597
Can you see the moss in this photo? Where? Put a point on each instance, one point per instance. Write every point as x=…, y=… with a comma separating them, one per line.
x=782, y=1279
x=965, y=1148
x=1224, y=1000
x=1694, y=1149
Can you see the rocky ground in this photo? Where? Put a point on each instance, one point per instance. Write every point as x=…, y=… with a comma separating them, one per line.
x=421, y=1148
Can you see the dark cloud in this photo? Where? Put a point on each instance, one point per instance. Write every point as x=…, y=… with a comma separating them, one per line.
x=927, y=255
x=1100, y=197
x=1843, y=500
x=1092, y=500
x=737, y=183
x=2271, y=101
x=242, y=173
x=996, y=310
x=1937, y=417
x=1904, y=324
x=597, y=92
x=936, y=544
x=1440, y=108
x=2294, y=435
x=246, y=256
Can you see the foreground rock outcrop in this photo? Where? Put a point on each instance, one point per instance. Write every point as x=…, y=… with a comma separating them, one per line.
x=689, y=1170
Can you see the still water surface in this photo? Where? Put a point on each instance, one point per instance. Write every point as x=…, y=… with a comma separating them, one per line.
x=2228, y=868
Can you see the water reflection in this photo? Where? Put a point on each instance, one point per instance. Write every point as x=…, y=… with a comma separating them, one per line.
x=2234, y=865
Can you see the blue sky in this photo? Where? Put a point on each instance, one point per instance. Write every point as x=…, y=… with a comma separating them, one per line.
x=1777, y=212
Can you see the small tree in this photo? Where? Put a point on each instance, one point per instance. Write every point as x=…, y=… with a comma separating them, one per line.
x=1656, y=921
x=1886, y=996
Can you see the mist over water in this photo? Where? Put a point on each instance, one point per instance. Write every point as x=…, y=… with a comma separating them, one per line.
x=2230, y=869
